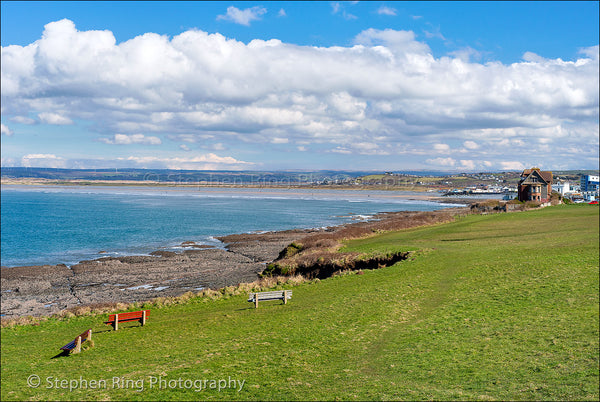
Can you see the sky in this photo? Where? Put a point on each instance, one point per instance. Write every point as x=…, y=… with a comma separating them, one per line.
x=444, y=86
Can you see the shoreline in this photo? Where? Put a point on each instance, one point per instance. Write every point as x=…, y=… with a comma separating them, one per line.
x=44, y=290
x=25, y=181
x=169, y=244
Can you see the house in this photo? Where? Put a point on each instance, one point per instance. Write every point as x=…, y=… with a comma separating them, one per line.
x=535, y=185
x=562, y=188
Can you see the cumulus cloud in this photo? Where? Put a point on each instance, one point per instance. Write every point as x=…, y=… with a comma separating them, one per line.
x=54, y=118
x=243, y=17
x=43, y=160
x=384, y=10
x=386, y=88
x=467, y=164
x=124, y=139
x=441, y=148
x=5, y=130
x=201, y=162
x=470, y=145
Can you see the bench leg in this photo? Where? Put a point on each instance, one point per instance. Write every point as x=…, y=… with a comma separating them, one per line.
x=77, y=345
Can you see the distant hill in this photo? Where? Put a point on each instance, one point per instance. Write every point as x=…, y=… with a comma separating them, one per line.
x=183, y=176
x=283, y=177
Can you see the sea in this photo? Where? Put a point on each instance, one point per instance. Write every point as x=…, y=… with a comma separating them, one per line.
x=67, y=224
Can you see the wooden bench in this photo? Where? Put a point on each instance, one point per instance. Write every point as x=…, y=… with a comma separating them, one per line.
x=75, y=345
x=115, y=319
x=273, y=295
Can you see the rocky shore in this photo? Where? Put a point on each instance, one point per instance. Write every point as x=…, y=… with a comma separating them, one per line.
x=48, y=289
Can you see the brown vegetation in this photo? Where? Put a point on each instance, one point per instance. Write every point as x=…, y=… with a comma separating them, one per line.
x=317, y=255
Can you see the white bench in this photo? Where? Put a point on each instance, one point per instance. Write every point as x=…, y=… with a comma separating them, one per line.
x=273, y=295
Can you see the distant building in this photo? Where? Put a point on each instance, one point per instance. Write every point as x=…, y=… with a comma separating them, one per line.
x=589, y=183
x=535, y=185
x=562, y=188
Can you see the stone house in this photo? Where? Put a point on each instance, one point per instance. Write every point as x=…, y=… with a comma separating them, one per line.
x=535, y=185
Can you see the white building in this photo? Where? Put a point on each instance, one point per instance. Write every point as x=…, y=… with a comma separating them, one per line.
x=562, y=188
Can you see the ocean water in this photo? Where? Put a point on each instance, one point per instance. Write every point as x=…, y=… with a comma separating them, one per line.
x=67, y=224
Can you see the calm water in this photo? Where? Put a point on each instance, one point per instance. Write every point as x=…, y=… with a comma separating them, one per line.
x=54, y=224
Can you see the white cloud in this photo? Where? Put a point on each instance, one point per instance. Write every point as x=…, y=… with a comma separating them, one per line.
x=466, y=54
x=512, y=165
x=448, y=162
x=281, y=13
x=534, y=58
x=23, y=120
x=441, y=148
x=243, y=17
x=5, y=130
x=470, y=145
x=592, y=52
x=434, y=33
x=8, y=162
x=384, y=10
x=202, y=162
x=43, y=160
x=386, y=89
x=54, y=118
x=336, y=7
x=341, y=150
x=467, y=164
x=124, y=139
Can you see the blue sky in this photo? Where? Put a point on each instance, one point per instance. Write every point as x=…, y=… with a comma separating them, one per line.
x=456, y=86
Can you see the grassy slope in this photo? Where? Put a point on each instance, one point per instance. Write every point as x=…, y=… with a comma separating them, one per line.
x=486, y=312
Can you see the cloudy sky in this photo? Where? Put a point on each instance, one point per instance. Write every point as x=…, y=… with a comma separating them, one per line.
x=455, y=86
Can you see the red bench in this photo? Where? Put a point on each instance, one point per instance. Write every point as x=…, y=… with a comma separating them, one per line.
x=115, y=319
x=75, y=344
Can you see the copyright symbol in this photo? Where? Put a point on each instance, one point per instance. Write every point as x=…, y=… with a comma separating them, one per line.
x=33, y=381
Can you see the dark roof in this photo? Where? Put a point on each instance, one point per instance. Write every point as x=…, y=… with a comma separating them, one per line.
x=547, y=175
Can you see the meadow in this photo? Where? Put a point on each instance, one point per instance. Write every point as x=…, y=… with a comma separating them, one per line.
x=488, y=307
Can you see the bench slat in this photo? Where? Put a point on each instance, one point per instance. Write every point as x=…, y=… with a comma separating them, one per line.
x=71, y=345
x=271, y=295
x=130, y=316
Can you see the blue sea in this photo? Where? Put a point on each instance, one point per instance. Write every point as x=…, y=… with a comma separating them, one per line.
x=67, y=224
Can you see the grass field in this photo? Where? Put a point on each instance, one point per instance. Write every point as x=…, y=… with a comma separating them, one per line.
x=495, y=307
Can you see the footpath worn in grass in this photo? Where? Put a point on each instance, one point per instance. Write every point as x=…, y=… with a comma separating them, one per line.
x=496, y=307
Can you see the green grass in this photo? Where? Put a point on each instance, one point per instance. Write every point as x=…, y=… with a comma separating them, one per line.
x=495, y=307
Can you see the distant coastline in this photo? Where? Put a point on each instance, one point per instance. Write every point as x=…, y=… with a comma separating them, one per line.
x=27, y=181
